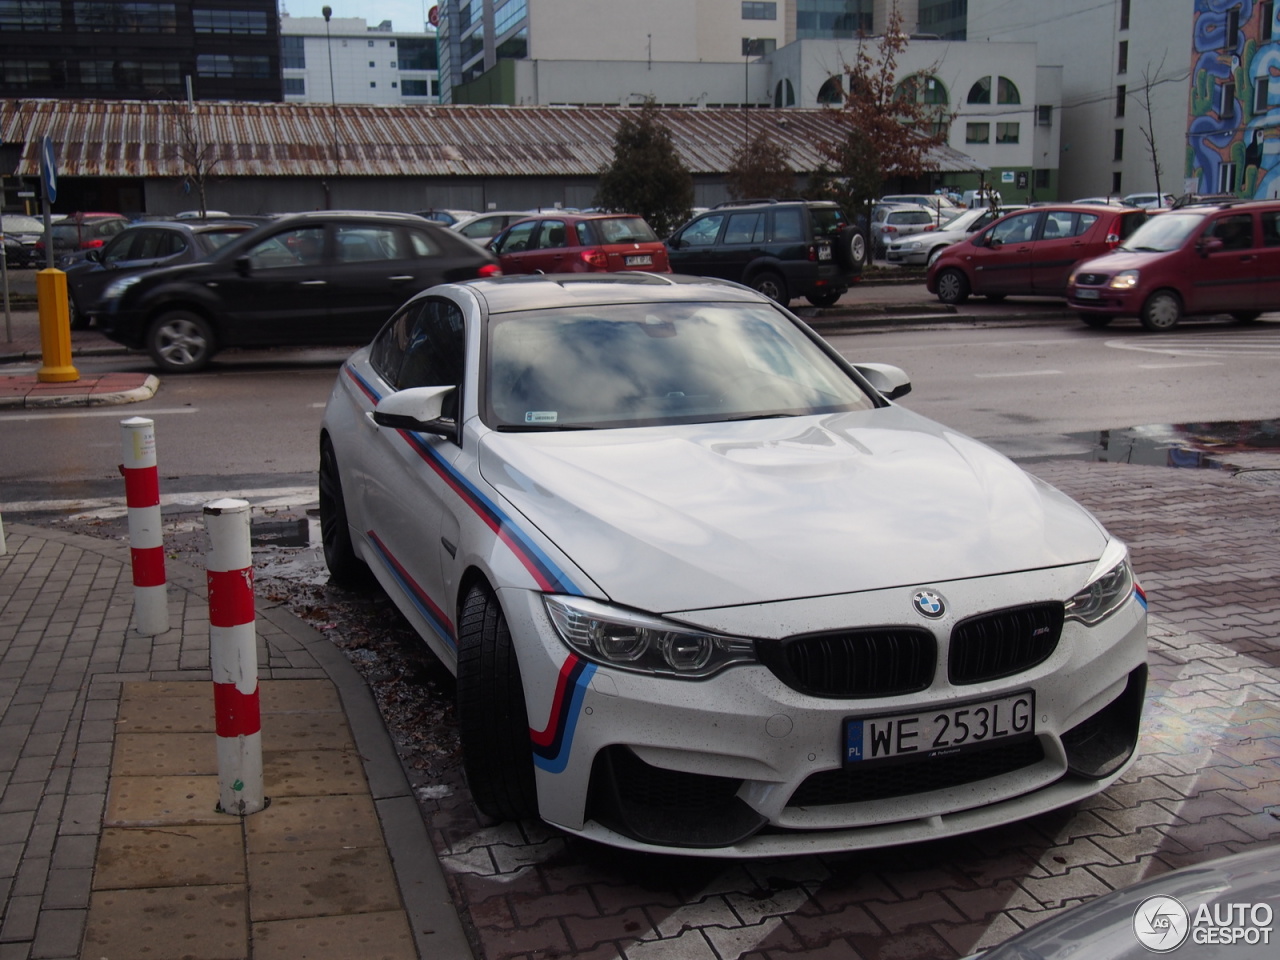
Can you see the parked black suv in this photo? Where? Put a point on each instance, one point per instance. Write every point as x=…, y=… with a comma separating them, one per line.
x=328, y=277
x=783, y=248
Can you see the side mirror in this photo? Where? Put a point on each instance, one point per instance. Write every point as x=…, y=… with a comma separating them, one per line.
x=892, y=382
x=94, y=255
x=243, y=266
x=1210, y=245
x=675, y=243
x=418, y=409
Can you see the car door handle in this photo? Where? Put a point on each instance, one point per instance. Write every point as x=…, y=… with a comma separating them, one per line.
x=313, y=283
x=401, y=277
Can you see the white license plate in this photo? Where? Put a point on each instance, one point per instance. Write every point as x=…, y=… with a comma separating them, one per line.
x=936, y=733
x=824, y=253
x=1088, y=295
x=644, y=260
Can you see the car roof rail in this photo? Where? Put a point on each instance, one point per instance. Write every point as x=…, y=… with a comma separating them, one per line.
x=1200, y=199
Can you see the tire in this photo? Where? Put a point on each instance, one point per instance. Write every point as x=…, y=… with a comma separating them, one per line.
x=79, y=320
x=772, y=286
x=1246, y=316
x=953, y=286
x=1162, y=311
x=851, y=249
x=492, y=721
x=180, y=341
x=1095, y=320
x=345, y=568
x=827, y=299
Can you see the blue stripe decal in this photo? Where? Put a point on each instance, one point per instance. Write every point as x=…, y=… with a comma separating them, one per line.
x=569, y=715
x=430, y=612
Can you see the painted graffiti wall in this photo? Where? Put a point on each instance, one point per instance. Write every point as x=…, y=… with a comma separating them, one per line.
x=1233, y=134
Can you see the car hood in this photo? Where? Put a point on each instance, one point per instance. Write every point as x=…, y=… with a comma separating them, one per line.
x=1118, y=260
x=710, y=515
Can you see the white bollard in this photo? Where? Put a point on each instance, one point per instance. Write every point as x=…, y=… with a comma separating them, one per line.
x=233, y=657
x=146, y=540
x=3, y=548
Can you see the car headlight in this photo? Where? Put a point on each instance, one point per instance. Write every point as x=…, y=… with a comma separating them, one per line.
x=1110, y=585
x=1124, y=280
x=634, y=641
x=913, y=245
x=116, y=288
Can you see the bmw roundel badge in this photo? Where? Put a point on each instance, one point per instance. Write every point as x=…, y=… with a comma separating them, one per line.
x=929, y=604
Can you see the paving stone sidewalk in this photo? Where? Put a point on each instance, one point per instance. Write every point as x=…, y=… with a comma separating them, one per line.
x=110, y=844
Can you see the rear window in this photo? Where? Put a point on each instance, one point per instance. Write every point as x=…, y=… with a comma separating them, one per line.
x=828, y=221
x=616, y=230
x=912, y=216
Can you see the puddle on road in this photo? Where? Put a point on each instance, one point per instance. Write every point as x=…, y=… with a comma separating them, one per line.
x=1234, y=446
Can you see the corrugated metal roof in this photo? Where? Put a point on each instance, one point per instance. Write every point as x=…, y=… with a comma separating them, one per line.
x=131, y=138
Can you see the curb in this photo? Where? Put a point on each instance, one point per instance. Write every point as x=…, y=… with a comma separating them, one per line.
x=77, y=397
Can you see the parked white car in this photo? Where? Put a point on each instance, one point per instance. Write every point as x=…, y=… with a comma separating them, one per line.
x=921, y=249
x=1150, y=201
x=483, y=227
x=707, y=589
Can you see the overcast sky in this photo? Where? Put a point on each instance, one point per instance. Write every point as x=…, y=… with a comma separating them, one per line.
x=407, y=15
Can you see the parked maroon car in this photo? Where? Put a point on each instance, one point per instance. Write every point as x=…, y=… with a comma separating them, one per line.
x=580, y=243
x=1030, y=252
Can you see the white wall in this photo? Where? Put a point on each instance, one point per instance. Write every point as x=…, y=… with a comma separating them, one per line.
x=353, y=47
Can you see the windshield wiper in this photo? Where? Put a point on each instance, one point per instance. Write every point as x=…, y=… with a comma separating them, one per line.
x=759, y=416
x=539, y=427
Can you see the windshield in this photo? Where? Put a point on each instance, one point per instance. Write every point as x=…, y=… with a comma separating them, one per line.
x=21, y=223
x=1166, y=231
x=659, y=363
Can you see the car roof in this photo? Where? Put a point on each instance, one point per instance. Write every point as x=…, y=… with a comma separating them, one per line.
x=545, y=291
x=386, y=216
x=730, y=204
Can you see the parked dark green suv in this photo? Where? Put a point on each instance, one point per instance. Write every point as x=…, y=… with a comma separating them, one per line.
x=782, y=248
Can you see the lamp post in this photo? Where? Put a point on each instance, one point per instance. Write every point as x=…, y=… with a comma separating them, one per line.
x=751, y=47
x=327, y=12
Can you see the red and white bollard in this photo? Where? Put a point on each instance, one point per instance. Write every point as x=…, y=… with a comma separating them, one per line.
x=146, y=545
x=233, y=657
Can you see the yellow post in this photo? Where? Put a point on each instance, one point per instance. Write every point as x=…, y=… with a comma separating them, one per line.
x=55, y=328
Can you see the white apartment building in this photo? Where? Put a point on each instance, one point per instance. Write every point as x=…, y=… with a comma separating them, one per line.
x=345, y=60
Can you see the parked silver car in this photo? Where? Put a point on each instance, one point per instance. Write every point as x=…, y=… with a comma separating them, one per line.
x=892, y=221
x=921, y=249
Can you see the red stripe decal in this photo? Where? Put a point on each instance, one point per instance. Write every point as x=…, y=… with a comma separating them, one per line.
x=236, y=714
x=564, y=686
x=231, y=597
x=141, y=486
x=148, y=566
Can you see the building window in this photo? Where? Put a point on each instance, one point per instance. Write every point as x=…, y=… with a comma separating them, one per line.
x=373, y=84
x=1117, y=151
x=1121, y=96
x=1007, y=91
x=226, y=66
x=759, y=11
x=293, y=53
x=977, y=133
x=1007, y=132
x=371, y=43
x=1261, y=94
x=838, y=19
x=1266, y=12
x=1227, y=178
x=414, y=88
x=295, y=87
x=506, y=17
x=253, y=22
x=1122, y=65
x=1115, y=182
x=980, y=92
x=758, y=46
x=126, y=17
x=1124, y=14
x=371, y=63
x=1044, y=115
x=1232, y=33
x=1041, y=180
x=832, y=91
x=394, y=84
x=38, y=15
x=1226, y=100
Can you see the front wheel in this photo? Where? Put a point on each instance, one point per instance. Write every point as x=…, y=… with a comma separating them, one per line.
x=180, y=341
x=1095, y=320
x=346, y=569
x=77, y=318
x=1162, y=311
x=953, y=287
x=772, y=286
x=497, y=754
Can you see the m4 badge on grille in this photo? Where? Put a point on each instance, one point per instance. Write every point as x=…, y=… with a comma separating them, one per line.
x=929, y=604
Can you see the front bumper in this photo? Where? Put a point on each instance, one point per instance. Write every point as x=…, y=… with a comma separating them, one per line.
x=1104, y=301
x=743, y=765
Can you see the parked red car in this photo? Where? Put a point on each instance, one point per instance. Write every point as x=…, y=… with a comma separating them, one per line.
x=83, y=231
x=580, y=243
x=1030, y=252
x=1203, y=259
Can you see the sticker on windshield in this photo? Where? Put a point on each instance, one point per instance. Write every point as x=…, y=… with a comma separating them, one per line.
x=541, y=416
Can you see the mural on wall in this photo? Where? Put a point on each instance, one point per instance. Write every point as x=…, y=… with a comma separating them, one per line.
x=1233, y=144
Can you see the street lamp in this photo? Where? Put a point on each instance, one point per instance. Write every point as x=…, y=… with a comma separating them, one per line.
x=751, y=47
x=327, y=12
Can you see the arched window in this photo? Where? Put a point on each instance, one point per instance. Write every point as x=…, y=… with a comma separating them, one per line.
x=784, y=94
x=832, y=91
x=980, y=92
x=1007, y=92
x=924, y=89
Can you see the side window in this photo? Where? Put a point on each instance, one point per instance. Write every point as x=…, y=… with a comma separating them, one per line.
x=551, y=236
x=788, y=226
x=1057, y=224
x=121, y=248
x=435, y=355
x=743, y=228
x=386, y=353
x=517, y=238
x=423, y=244
x=1235, y=230
x=703, y=232
x=1083, y=222
x=1271, y=228
x=1015, y=229
x=303, y=247
x=359, y=243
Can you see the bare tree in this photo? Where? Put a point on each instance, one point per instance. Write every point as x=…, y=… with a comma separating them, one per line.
x=760, y=169
x=198, y=155
x=1148, y=132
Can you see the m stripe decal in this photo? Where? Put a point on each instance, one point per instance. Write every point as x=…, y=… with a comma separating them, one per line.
x=553, y=744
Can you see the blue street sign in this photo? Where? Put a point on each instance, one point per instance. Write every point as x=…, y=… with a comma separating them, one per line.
x=48, y=169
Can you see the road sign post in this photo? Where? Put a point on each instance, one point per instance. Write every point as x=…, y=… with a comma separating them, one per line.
x=51, y=288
